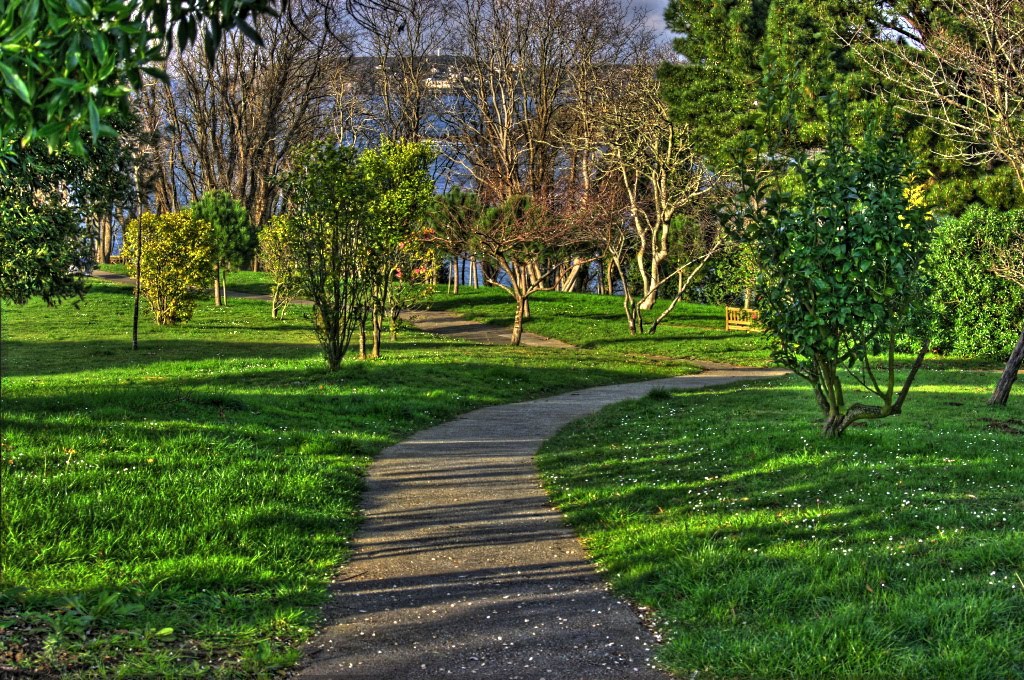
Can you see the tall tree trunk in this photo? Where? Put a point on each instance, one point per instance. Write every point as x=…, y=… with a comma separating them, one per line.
x=362, y=339
x=457, y=272
x=378, y=327
x=517, y=325
x=216, y=286
x=104, y=240
x=223, y=287
x=1002, y=392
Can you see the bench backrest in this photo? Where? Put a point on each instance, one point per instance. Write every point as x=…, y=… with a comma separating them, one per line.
x=737, y=319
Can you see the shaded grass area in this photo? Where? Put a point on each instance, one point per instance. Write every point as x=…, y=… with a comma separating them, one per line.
x=259, y=283
x=768, y=552
x=177, y=511
x=250, y=282
x=598, y=322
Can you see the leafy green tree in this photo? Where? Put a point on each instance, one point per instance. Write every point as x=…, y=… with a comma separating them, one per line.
x=43, y=246
x=175, y=264
x=232, y=236
x=66, y=67
x=840, y=245
x=278, y=261
x=400, y=191
x=326, y=225
x=50, y=207
x=729, y=47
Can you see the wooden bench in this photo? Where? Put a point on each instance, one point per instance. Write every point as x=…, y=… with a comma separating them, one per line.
x=115, y=259
x=737, y=319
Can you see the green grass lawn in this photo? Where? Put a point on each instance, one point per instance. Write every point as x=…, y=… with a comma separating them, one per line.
x=249, y=282
x=765, y=551
x=178, y=510
x=238, y=281
x=599, y=322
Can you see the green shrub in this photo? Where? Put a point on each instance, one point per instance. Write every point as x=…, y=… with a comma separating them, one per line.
x=176, y=262
x=978, y=313
x=277, y=260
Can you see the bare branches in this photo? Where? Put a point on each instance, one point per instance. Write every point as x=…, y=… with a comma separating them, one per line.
x=667, y=234
x=229, y=124
x=962, y=66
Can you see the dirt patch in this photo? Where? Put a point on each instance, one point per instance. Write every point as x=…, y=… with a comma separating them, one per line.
x=1010, y=426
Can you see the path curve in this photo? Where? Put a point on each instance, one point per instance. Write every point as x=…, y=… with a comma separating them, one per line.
x=462, y=569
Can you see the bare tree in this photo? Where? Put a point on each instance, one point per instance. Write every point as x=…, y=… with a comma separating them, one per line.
x=519, y=108
x=669, y=232
x=394, y=89
x=231, y=123
x=961, y=64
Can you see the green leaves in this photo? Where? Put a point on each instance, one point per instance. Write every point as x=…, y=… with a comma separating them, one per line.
x=15, y=83
x=232, y=233
x=67, y=65
x=840, y=247
x=176, y=262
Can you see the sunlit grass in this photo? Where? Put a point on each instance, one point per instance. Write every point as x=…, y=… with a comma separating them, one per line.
x=177, y=511
x=599, y=322
x=768, y=552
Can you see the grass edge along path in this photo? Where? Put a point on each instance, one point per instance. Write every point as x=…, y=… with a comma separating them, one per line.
x=179, y=510
x=463, y=569
x=764, y=551
x=597, y=322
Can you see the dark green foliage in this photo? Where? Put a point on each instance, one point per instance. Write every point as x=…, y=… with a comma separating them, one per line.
x=233, y=237
x=66, y=67
x=43, y=241
x=49, y=204
x=977, y=313
x=839, y=247
x=729, y=46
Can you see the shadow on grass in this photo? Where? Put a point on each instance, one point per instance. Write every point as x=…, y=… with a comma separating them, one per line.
x=787, y=555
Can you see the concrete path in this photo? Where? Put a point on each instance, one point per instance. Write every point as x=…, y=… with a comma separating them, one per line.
x=462, y=569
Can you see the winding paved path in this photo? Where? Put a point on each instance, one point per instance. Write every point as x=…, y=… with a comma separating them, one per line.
x=462, y=569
